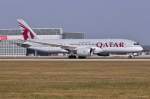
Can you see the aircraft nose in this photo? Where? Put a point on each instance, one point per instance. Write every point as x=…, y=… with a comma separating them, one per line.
x=140, y=48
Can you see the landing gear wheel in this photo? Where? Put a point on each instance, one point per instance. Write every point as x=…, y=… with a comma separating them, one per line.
x=130, y=56
x=81, y=57
x=72, y=57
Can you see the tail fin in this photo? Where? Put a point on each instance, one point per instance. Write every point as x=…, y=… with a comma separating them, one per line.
x=27, y=32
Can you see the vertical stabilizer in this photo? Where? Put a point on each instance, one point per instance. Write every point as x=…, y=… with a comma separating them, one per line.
x=27, y=32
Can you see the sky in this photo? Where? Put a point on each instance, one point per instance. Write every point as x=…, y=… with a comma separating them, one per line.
x=128, y=19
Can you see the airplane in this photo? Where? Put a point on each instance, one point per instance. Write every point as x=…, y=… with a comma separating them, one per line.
x=77, y=48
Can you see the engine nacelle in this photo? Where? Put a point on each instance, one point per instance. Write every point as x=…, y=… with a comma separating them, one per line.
x=83, y=51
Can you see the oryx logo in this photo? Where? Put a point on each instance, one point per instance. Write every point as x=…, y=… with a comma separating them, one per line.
x=26, y=31
x=110, y=44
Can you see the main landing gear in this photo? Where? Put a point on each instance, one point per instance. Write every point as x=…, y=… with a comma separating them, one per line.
x=74, y=57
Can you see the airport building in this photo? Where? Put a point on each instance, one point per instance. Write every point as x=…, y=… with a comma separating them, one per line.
x=9, y=48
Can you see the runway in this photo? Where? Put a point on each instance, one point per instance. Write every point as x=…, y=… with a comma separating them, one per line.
x=78, y=60
x=64, y=58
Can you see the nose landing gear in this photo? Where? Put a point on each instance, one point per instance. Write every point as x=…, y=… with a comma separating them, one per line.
x=132, y=55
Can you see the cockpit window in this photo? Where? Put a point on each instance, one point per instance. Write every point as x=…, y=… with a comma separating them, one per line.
x=136, y=43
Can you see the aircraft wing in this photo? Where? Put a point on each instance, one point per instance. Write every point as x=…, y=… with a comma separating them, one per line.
x=55, y=45
x=20, y=43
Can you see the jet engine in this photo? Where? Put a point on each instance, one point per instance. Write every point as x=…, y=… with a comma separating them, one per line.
x=84, y=51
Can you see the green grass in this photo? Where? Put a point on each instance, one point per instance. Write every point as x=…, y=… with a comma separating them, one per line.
x=74, y=80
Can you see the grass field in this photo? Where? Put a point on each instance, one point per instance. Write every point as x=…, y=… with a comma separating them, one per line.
x=74, y=80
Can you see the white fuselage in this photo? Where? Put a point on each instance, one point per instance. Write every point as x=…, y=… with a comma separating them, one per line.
x=100, y=45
